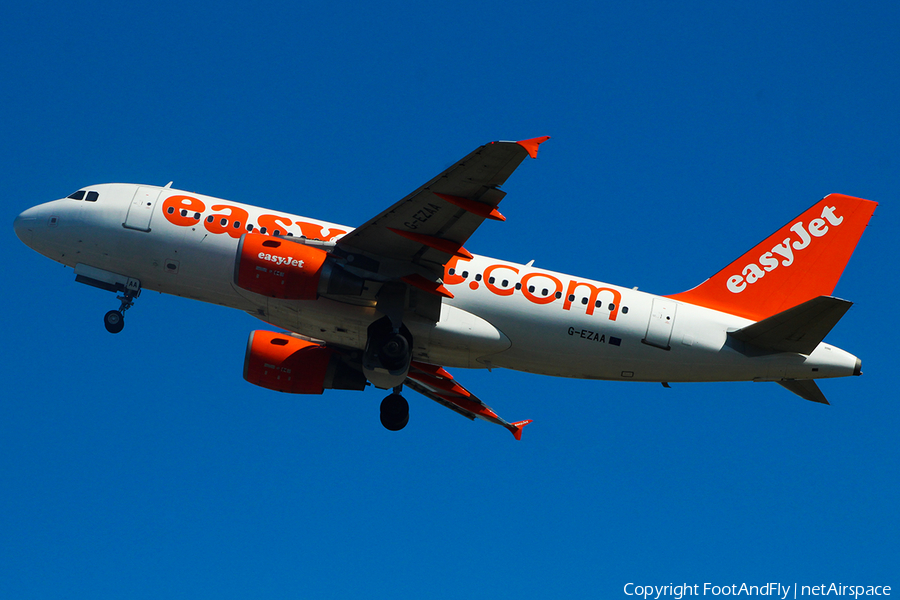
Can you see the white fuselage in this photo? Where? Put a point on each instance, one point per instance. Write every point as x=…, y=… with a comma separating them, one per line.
x=502, y=314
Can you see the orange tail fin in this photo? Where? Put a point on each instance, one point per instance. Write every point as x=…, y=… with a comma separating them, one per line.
x=802, y=260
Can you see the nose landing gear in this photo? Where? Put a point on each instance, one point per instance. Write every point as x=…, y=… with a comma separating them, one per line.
x=114, y=320
x=395, y=411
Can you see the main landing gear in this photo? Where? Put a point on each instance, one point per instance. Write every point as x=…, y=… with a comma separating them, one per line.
x=395, y=411
x=388, y=354
x=114, y=320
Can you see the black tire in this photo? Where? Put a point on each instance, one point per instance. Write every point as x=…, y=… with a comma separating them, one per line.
x=114, y=321
x=394, y=412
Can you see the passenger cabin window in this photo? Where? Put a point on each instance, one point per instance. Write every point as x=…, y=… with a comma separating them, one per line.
x=92, y=196
x=79, y=195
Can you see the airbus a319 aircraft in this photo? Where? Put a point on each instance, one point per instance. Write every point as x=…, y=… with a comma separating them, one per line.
x=398, y=300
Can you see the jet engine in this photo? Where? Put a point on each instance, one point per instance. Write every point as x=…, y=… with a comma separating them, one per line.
x=284, y=363
x=289, y=270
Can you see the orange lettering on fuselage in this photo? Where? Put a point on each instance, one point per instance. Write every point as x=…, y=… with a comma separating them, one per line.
x=232, y=223
x=317, y=232
x=186, y=211
x=592, y=299
x=547, y=296
x=174, y=205
x=499, y=291
x=274, y=223
x=550, y=292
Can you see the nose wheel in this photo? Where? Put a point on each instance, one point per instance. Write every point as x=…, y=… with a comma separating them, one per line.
x=394, y=411
x=114, y=320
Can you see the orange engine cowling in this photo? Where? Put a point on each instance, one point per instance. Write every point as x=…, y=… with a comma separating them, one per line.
x=283, y=363
x=289, y=270
x=278, y=268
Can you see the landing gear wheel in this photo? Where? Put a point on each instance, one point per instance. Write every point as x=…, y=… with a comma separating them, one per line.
x=394, y=412
x=114, y=321
x=395, y=352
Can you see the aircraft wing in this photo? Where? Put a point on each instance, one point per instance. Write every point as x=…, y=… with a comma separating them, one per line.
x=436, y=383
x=430, y=225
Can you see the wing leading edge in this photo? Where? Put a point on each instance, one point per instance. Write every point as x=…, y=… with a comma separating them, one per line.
x=430, y=225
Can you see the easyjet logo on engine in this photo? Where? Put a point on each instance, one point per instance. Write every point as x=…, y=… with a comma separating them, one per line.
x=783, y=254
x=281, y=260
x=187, y=211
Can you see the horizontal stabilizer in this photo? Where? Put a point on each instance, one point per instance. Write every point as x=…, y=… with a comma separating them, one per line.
x=798, y=329
x=805, y=388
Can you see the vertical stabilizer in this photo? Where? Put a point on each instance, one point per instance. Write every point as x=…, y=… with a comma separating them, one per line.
x=799, y=262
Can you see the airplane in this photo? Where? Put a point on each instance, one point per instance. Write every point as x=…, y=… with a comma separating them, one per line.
x=399, y=300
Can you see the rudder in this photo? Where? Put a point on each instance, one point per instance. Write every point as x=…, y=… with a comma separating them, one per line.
x=802, y=260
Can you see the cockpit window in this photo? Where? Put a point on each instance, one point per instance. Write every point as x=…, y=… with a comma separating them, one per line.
x=92, y=196
x=79, y=195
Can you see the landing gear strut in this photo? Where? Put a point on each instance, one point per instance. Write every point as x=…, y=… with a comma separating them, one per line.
x=114, y=320
x=395, y=411
x=388, y=354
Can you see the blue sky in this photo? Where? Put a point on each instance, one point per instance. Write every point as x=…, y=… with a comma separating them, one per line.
x=142, y=465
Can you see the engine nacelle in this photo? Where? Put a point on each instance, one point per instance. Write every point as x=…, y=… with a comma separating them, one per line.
x=290, y=270
x=283, y=363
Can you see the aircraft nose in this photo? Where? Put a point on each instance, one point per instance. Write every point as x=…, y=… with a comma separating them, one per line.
x=24, y=225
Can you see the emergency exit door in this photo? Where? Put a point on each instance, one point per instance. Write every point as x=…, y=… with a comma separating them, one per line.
x=141, y=208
